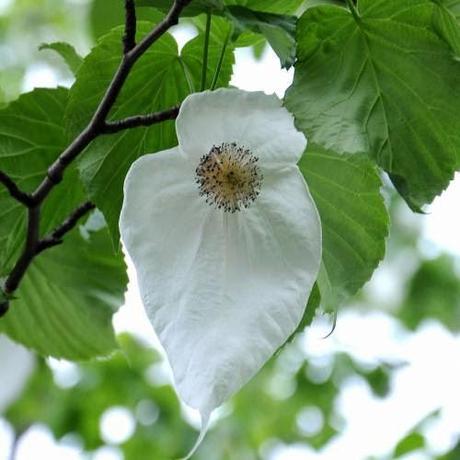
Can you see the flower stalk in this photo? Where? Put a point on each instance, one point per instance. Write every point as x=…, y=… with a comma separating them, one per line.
x=204, y=68
x=215, y=78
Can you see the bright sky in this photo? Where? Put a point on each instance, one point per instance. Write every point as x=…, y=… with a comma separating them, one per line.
x=425, y=383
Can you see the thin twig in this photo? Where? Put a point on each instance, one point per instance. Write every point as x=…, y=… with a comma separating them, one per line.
x=14, y=190
x=171, y=19
x=215, y=79
x=129, y=39
x=30, y=251
x=111, y=127
x=58, y=233
x=96, y=127
x=35, y=245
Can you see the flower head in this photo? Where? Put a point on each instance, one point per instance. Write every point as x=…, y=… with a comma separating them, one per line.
x=229, y=177
x=225, y=238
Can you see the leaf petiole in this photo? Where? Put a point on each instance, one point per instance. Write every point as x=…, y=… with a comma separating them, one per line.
x=221, y=59
x=206, y=50
x=353, y=10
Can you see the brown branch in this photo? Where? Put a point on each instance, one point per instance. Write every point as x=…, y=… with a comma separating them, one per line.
x=129, y=39
x=35, y=245
x=171, y=19
x=96, y=127
x=140, y=120
x=30, y=251
x=15, y=191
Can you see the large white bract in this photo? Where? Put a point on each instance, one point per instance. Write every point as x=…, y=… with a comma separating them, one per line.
x=225, y=238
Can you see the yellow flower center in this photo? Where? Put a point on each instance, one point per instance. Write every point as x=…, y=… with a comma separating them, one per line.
x=229, y=177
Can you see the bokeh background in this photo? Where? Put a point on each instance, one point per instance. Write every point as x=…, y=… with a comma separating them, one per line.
x=385, y=385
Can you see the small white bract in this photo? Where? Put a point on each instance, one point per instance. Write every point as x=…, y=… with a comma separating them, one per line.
x=225, y=238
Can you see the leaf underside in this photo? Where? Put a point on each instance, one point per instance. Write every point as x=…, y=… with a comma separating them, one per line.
x=354, y=220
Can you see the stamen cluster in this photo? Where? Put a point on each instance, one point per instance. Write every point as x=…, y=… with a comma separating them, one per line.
x=229, y=177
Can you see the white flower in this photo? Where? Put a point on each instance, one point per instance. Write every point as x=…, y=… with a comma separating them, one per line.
x=225, y=238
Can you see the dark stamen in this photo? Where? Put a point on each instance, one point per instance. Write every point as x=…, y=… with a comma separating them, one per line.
x=229, y=177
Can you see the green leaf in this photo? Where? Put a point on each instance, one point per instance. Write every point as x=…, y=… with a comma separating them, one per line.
x=447, y=26
x=387, y=85
x=195, y=8
x=312, y=305
x=379, y=380
x=433, y=292
x=279, y=30
x=452, y=5
x=412, y=442
x=67, y=52
x=309, y=314
x=106, y=14
x=354, y=219
x=313, y=3
x=122, y=380
x=66, y=300
x=2, y=98
x=273, y=6
x=31, y=138
x=452, y=455
x=161, y=79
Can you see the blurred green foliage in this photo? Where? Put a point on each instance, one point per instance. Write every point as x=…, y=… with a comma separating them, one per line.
x=119, y=381
x=25, y=25
x=433, y=292
x=271, y=406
